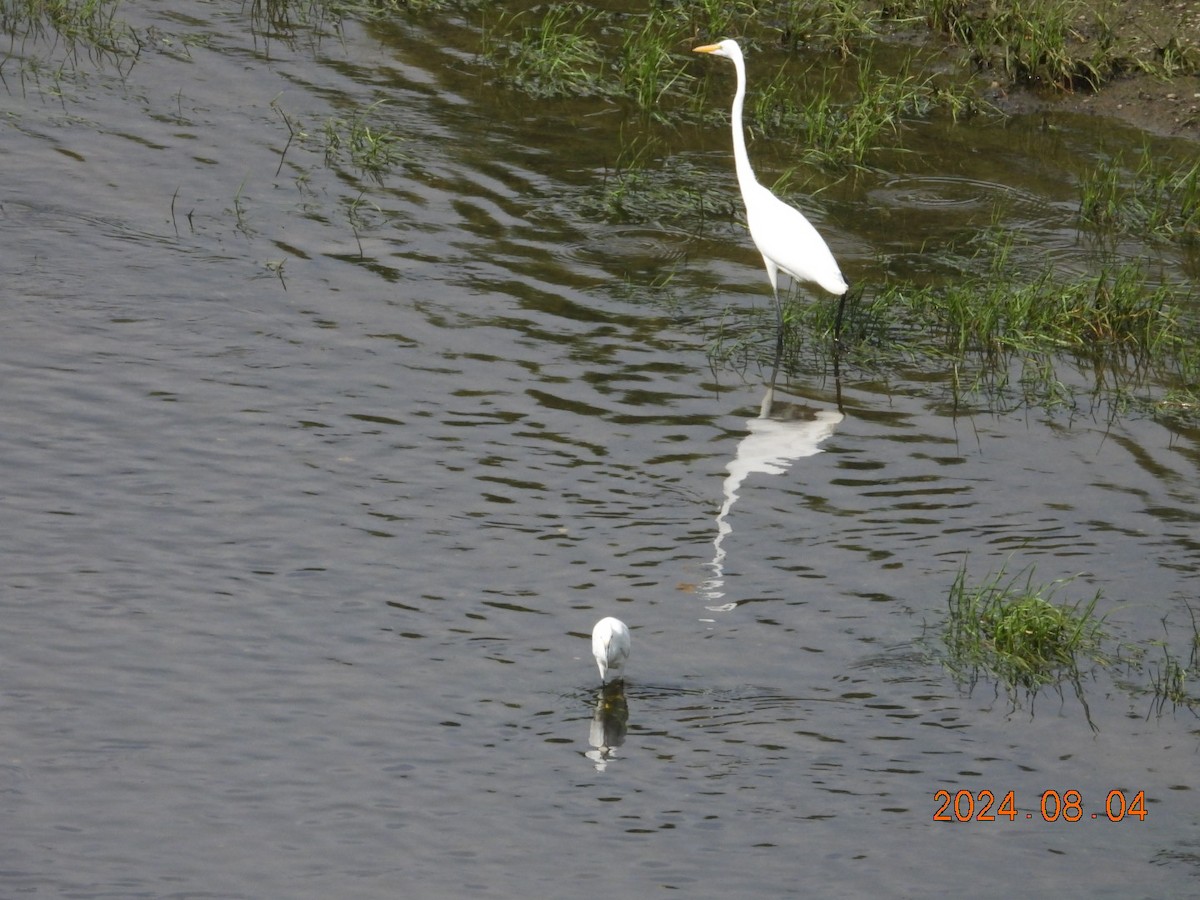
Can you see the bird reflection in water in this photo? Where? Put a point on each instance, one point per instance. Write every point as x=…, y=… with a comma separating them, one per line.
x=779, y=435
x=610, y=722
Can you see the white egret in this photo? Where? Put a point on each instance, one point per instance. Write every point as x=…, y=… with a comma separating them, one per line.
x=787, y=241
x=610, y=646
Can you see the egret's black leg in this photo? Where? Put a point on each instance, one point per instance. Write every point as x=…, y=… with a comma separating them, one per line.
x=778, y=339
x=841, y=312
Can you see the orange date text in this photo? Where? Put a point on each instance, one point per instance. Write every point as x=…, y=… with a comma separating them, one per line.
x=1053, y=806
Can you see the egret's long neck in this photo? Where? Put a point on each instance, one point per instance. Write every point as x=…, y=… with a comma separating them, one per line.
x=741, y=159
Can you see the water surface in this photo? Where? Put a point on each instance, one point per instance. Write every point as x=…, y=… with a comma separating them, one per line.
x=315, y=486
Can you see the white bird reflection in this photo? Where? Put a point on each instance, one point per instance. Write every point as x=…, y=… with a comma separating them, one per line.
x=779, y=435
x=610, y=722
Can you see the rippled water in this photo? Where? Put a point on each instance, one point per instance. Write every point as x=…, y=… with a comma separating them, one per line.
x=315, y=486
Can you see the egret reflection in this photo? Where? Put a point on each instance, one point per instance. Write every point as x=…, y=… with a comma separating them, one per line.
x=610, y=722
x=779, y=435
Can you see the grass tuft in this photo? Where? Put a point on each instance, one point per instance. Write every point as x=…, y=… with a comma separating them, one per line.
x=373, y=151
x=1011, y=629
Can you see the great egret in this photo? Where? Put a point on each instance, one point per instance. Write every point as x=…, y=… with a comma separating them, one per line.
x=786, y=240
x=610, y=646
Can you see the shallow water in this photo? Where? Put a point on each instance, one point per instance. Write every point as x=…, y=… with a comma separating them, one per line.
x=310, y=508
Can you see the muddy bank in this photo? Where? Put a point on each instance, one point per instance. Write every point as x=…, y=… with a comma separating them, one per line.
x=1157, y=106
x=1159, y=91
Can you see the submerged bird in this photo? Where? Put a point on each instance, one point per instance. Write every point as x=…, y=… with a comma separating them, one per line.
x=610, y=646
x=787, y=241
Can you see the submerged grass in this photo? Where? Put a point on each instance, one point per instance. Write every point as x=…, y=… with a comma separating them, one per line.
x=373, y=150
x=1166, y=677
x=649, y=184
x=836, y=127
x=1003, y=332
x=88, y=27
x=364, y=140
x=1115, y=310
x=1172, y=679
x=1156, y=198
x=551, y=52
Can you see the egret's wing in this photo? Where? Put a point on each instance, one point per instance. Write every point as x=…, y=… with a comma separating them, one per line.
x=789, y=240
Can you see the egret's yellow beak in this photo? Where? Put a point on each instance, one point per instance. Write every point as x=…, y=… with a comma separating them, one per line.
x=707, y=48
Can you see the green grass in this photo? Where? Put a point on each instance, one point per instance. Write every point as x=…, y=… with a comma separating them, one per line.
x=88, y=27
x=1003, y=329
x=1172, y=678
x=713, y=19
x=649, y=67
x=1066, y=44
x=1007, y=308
x=838, y=125
x=576, y=50
x=552, y=54
x=364, y=140
x=373, y=149
x=846, y=27
x=1171, y=58
x=1155, y=198
x=1011, y=629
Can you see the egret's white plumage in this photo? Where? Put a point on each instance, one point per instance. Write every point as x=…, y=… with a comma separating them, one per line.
x=610, y=646
x=787, y=241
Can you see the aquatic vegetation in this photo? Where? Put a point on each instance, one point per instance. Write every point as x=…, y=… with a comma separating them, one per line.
x=1158, y=198
x=567, y=49
x=1169, y=679
x=1010, y=629
x=648, y=184
x=1117, y=308
x=1002, y=327
x=373, y=151
x=1169, y=683
x=713, y=18
x=648, y=69
x=835, y=127
x=845, y=26
x=90, y=27
x=364, y=139
x=551, y=55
